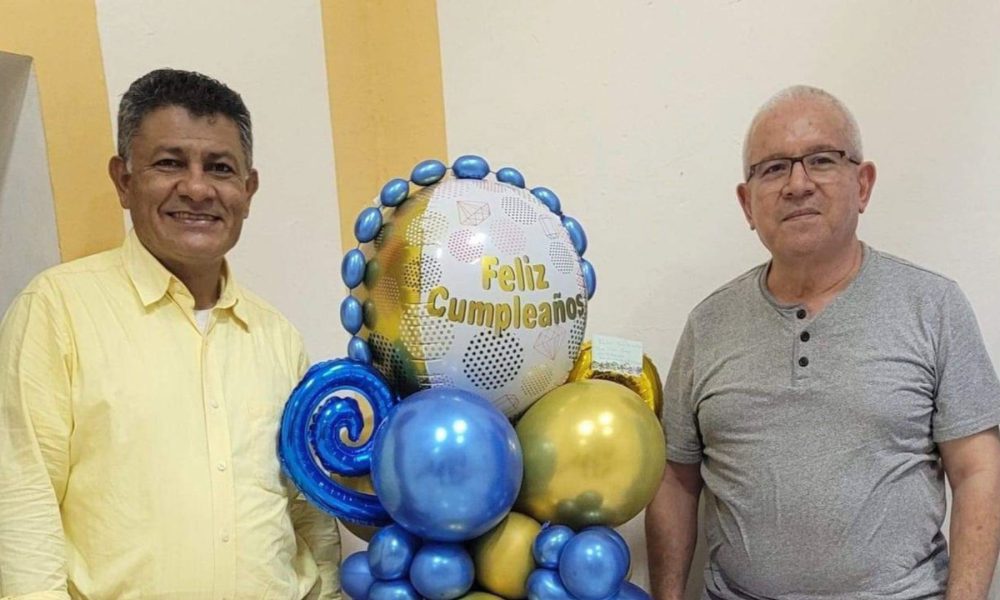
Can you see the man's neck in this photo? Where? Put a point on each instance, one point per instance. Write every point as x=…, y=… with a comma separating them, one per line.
x=814, y=281
x=203, y=281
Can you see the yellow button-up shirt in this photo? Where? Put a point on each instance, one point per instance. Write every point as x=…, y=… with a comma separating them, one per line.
x=138, y=452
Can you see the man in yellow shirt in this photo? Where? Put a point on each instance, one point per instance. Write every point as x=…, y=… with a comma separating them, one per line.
x=141, y=388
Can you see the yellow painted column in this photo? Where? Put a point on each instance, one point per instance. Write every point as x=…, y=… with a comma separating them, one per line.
x=383, y=62
x=62, y=39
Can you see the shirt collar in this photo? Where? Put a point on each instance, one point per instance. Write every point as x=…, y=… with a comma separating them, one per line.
x=152, y=280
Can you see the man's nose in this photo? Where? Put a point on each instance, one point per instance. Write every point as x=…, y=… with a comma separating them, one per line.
x=799, y=182
x=196, y=186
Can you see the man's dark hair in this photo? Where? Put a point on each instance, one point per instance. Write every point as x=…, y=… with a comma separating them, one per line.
x=200, y=95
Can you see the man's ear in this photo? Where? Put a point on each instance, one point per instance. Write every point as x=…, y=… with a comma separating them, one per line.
x=743, y=195
x=120, y=177
x=253, y=183
x=866, y=182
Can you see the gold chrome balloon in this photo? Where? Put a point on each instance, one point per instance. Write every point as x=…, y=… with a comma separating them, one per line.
x=647, y=385
x=593, y=455
x=503, y=556
x=480, y=596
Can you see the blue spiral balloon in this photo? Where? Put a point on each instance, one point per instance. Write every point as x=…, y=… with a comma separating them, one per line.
x=323, y=404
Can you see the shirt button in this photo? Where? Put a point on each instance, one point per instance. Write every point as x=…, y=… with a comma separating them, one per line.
x=804, y=336
x=225, y=537
x=801, y=313
x=221, y=466
x=215, y=404
x=803, y=362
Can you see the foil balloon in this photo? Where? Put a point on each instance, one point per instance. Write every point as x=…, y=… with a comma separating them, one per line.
x=474, y=284
x=647, y=383
x=363, y=484
x=447, y=465
x=356, y=577
x=442, y=571
x=503, y=556
x=593, y=455
x=325, y=432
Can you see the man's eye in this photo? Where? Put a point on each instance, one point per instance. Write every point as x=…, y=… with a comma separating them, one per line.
x=168, y=163
x=773, y=168
x=822, y=161
x=221, y=168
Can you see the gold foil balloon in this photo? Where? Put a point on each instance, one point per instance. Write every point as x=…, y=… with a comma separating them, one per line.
x=593, y=455
x=503, y=556
x=647, y=384
x=480, y=596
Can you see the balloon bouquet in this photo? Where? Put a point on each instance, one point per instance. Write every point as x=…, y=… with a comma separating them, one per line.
x=468, y=308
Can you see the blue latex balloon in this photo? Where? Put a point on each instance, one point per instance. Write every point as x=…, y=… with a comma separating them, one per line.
x=351, y=314
x=323, y=404
x=592, y=565
x=544, y=584
x=368, y=224
x=630, y=591
x=470, y=167
x=589, y=277
x=576, y=234
x=618, y=539
x=352, y=269
x=394, y=192
x=510, y=175
x=399, y=589
x=447, y=464
x=428, y=172
x=442, y=571
x=355, y=576
x=548, y=198
x=391, y=551
x=358, y=349
x=549, y=543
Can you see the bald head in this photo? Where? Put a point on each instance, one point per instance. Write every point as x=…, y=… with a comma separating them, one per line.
x=805, y=95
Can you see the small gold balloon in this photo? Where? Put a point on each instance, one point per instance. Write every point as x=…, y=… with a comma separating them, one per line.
x=647, y=385
x=480, y=596
x=503, y=556
x=593, y=455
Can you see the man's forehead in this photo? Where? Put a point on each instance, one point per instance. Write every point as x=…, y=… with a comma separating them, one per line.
x=815, y=123
x=176, y=126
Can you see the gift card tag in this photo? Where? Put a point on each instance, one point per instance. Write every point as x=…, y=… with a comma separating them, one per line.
x=617, y=355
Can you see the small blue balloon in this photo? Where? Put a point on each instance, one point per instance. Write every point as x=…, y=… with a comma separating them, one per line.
x=352, y=269
x=355, y=576
x=544, y=584
x=368, y=224
x=391, y=552
x=592, y=565
x=442, y=571
x=358, y=349
x=630, y=591
x=352, y=315
x=618, y=539
x=428, y=172
x=549, y=544
x=589, y=277
x=447, y=464
x=576, y=234
x=548, y=198
x=470, y=166
x=394, y=192
x=511, y=176
x=399, y=589
x=331, y=392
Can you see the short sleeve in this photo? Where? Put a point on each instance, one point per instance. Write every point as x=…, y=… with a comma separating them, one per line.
x=967, y=395
x=679, y=422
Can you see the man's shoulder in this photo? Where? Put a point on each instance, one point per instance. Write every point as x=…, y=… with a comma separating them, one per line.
x=64, y=277
x=731, y=294
x=903, y=275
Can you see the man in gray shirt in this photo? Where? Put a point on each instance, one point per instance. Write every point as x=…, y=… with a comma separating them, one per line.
x=819, y=399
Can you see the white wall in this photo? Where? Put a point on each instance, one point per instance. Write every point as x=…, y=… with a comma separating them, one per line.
x=28, y=240
x=272, y=54
x=634, y=113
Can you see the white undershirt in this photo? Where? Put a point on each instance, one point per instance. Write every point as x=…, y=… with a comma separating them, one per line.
x=201, y=317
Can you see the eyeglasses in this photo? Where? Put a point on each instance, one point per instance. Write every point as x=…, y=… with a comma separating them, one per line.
x=821, y=166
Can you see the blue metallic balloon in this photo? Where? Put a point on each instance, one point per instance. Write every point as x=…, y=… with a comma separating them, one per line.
x=442, y=571
x=355, y=576
x=589, y=277
x=549, y=544
x=618, y=539
x=324, y=404
x=352, y=269
x=391, y=551
x=352, y=316
x=576, y=234
x=428, y=172
x=592, y=565
x=544, y=584
x=399, y=589
x=358, y=349
x=394, y=192
x=368, y=224
x=447, y=464
x=510, y=175
x=548, y=198
x=630, y=591
x=470, y=166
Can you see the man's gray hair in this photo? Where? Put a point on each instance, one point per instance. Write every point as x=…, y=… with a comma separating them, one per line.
x=852, y=132
x=200, y=95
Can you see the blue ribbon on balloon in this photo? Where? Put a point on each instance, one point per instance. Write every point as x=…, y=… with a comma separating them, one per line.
x=322, y=406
